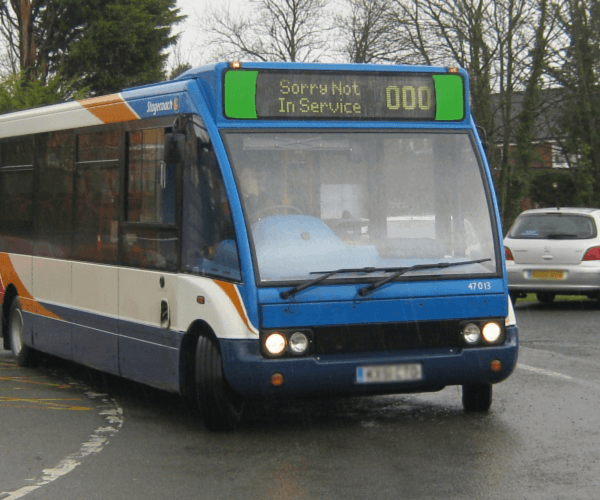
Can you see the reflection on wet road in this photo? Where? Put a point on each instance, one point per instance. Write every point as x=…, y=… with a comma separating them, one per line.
x=540, y=440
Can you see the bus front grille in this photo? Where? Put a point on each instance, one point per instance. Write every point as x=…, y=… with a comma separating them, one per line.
x=371, y=337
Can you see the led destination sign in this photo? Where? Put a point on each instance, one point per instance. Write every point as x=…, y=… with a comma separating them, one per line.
x=327, y=95
x=346, y=96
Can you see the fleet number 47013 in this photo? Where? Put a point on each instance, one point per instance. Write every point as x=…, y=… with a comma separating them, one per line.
x=480, y=285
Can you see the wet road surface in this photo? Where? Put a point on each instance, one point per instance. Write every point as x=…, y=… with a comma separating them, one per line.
x=541, y=440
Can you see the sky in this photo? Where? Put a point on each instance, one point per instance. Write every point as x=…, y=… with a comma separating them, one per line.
x=191, y=47
x=191, y=39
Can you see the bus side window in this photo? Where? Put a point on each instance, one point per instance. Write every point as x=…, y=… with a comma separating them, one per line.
x=150, y=234
x=16, y=195
x=54, y=207
x=151, y=189
x=97, y=188
x=209, y=246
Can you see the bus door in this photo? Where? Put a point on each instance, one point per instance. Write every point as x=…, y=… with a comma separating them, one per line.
x=150, y=241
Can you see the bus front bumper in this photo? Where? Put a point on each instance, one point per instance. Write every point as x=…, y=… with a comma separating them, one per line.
x=252, y=375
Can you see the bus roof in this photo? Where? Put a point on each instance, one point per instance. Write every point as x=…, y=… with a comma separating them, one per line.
x=133, y=104
x=249, y=80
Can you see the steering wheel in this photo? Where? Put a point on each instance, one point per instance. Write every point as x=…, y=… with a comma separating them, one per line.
x=275, y=209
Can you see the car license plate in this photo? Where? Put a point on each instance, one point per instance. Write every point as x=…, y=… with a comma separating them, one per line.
x=377, y=374
x=548, y=275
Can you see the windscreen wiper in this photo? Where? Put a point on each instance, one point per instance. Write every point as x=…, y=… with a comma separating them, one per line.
x=440, y=265
x=328, y=274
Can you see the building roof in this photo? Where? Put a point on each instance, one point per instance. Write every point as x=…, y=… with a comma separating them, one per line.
x=547, y=118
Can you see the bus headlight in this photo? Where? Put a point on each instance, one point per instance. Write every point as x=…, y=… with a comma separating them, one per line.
x=491, y=332
x=286, y=343
x=275, y=343
x=298, y=343
x=471, y=333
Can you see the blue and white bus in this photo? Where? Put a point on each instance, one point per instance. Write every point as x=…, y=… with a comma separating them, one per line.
x=260, y=230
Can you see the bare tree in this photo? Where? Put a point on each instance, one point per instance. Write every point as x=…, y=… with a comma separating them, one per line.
x=17, y=27
x=276, y=30
x=577, y=72
x=35, y=33
x=524, y=155
x=364, y=30
x=492, y=39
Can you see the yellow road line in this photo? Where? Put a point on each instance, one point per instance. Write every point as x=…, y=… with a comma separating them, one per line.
x=29, y=380
x=42, y=403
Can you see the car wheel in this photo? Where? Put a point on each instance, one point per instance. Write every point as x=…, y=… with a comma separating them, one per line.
x=514, y=296
x=545, y=297
x=477, y=397
x=220, y=407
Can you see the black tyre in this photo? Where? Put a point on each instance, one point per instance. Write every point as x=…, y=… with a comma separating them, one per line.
x=514, y=296
x=545, y=297
x=24, y=355
x=477, y=397
x=220, y=407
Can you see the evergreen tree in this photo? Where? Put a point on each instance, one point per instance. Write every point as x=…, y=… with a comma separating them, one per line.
x=18, y=91
x=101, y=45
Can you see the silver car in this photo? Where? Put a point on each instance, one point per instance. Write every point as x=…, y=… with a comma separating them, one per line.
x=553, y=251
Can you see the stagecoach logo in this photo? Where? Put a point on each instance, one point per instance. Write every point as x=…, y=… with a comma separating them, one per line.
x=157, y=107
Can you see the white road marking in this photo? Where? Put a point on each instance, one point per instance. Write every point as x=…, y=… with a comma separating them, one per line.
x=584, y=383
x=97, y=440
x=544, y=372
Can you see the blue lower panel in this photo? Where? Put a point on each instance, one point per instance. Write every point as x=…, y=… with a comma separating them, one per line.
x=143, y=353
x=50, y=335
x=96, y=348
x=89, y=339
x=150, y=355
x=249, y=373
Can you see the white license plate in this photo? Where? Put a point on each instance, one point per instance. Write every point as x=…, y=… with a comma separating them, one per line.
x=377, y=374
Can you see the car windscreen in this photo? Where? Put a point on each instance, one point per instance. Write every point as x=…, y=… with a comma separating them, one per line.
x=553, y=226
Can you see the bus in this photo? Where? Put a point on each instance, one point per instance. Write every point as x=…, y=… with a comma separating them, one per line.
x=251, y=231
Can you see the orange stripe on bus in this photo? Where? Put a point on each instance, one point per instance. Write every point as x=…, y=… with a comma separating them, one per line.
x=109, y=109
x=231, y=291
x=28, y=303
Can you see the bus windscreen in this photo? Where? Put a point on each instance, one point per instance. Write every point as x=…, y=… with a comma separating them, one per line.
x=331, y=95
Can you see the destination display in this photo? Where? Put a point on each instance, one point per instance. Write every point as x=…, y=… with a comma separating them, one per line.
x=331, y=95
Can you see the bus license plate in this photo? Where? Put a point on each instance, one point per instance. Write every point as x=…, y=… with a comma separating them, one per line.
x=408, y=372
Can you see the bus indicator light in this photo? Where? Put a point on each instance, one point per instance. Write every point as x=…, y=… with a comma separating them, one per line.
x=496, y=366
x=277, y=379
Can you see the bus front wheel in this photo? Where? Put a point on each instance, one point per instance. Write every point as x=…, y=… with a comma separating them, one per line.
x=477, y=397
x=24, y=355
x=220, y=407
